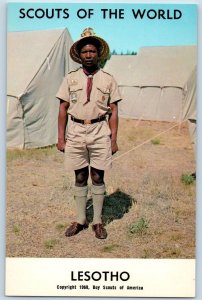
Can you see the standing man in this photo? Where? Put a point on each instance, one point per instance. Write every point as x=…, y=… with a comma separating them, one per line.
x=90, y=96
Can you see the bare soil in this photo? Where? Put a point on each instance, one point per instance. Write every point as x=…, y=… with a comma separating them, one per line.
x=148, y=211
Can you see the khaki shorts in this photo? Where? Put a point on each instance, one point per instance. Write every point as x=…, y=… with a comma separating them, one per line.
x=88, y=145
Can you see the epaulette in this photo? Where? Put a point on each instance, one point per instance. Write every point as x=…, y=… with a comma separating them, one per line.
x=74, y=71
x=106, y=72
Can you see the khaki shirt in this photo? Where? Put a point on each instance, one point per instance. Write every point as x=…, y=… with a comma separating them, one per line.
x=104, y=92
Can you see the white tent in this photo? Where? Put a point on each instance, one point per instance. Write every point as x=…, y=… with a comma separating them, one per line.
x=154, y=82
x=36, y=64
x=189, y=109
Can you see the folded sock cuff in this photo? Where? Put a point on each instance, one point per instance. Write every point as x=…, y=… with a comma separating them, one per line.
x=98, y=189
x=80, y=191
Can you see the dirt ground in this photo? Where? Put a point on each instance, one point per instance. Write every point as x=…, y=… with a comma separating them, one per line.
x=149, y=211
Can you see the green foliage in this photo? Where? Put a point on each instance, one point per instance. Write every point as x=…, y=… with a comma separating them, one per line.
x=140, y=227
x=110, y=248
x=30, y=153
x=60, y=226
x=128, y=52
x=16, y=229
x=156, y=141
x=187, y=179
x=49, y=244
x=114, y=52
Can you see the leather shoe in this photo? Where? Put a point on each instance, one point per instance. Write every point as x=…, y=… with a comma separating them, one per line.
x=75, y=228
x=100, y=231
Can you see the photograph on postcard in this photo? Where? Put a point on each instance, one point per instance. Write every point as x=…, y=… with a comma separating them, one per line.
x=101, y=132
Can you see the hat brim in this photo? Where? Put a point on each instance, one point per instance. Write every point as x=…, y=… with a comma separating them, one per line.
x=103, y=51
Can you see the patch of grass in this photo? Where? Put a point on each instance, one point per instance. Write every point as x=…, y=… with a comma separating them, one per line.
x=30, y=153
x=60, y=226
x=110, y=248
x=49, y=244
x=171, y=252
x=135, y=134
x=156, y=141
x=140, y=227
x=16, y=229
x=147, y=253
x=187, y=179
x=176, y=237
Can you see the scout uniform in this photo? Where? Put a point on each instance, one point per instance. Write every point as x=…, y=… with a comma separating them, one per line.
x=88, y=136
x=88, y=139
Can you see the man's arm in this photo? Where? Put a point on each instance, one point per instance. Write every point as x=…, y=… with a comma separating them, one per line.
x=62, y=123
x=113, y=124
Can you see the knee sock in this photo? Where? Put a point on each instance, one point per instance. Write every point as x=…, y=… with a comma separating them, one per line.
x=80, y=197
x=98, y=192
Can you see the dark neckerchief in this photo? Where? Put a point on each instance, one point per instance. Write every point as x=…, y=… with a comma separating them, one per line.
x=89, y=82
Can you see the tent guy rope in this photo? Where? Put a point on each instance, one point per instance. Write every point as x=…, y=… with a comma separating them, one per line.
x=138, y=146
x=147, y=141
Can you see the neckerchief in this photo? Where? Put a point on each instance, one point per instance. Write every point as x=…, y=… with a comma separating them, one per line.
x=89, y=83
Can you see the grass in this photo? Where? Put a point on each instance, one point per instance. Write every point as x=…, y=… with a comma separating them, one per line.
x=49, y=244
x=156, y=141
x=147, y=253
x=16, y=229
x=136, y=134
x=140, y=227
x=171, y=252
x=30, y=153
x=110, y=248
x=148, y=211
x=60, y=226
x=187, y=179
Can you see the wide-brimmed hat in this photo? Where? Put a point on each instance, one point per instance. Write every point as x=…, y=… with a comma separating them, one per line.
x=88, y=36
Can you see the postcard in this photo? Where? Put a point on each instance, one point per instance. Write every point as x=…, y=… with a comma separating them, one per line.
x=101, y=149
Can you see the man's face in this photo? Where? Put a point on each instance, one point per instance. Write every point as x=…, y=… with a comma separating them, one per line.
x=89, y=56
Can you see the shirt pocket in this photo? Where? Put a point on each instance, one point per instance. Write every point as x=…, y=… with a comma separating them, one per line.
x=103, y=95
x=75, y=93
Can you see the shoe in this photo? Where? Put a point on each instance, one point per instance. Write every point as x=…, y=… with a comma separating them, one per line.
x=75, y=228
x=100, y=231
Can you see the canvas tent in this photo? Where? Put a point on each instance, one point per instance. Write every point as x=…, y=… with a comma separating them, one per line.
x=36, y=64
x=157, y=84
x=189, y=109
x=154, y=82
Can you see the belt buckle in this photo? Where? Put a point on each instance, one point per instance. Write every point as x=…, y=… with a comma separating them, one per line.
x=87, y=122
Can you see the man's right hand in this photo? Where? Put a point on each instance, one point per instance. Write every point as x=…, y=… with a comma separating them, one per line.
x=62, y=123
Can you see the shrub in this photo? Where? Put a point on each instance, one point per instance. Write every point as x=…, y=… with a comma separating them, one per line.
x=187, y=179
x=156, y=141
x=140, y=227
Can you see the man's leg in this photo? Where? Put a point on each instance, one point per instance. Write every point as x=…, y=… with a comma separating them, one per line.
x=98, y=192
x=80, y=194
x=80, y=197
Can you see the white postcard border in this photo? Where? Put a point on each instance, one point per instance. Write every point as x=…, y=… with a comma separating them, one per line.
x=100, y=277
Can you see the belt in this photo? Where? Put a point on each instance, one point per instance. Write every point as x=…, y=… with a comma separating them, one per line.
x=101, y=118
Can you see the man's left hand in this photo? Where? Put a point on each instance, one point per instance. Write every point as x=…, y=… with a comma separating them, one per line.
x=114, y=147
